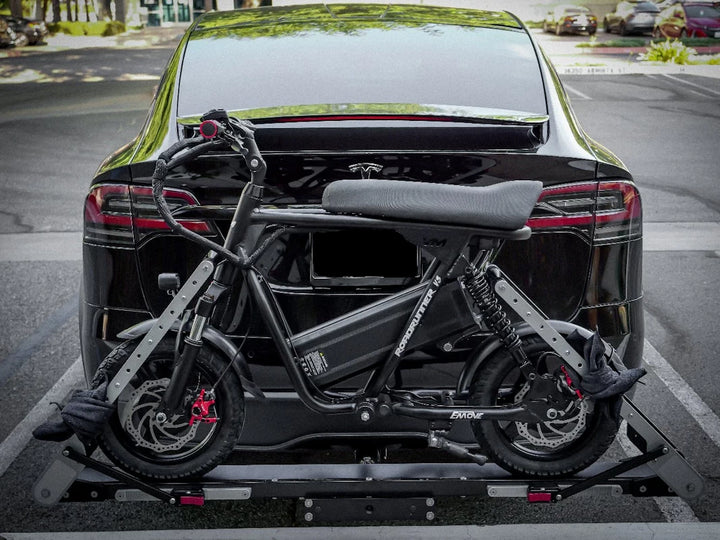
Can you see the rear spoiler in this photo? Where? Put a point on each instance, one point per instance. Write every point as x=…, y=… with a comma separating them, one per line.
x=507, y=128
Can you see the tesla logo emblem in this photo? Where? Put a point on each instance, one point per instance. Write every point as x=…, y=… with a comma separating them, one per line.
x=365, y=169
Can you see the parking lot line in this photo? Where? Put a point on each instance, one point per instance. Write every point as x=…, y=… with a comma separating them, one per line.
x=19, y=437
x=675, y=509
x=576, y=92
x=51, y=246
x=688, y=398
x=683, y=81
x=699, y=236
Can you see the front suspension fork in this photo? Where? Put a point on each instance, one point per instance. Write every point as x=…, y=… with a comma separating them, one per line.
x=172, y=399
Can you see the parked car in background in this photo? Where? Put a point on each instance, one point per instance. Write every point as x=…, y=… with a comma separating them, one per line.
x=688, y=19
x=27, y=31
x=7, y=34
x=342, y=91
x=631, y=17
x=570, y=19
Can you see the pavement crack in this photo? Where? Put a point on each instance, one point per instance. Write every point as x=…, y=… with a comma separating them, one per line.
x=15, y=220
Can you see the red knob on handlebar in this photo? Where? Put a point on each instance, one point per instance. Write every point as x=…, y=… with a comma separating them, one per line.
x=210, y=129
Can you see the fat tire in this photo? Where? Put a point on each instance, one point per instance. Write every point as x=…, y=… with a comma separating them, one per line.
x=592, y=443
x=117, y=444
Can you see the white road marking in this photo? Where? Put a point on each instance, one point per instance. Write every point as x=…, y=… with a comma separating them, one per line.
x=688, y=398
x=51, y=246
x=675, y=509
x=681, y=236
x=704, y=89
x=19, y=437
x=576, y=92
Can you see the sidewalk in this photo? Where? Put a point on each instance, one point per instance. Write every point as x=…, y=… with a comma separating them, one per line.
x=151, y=36
x=535, y=531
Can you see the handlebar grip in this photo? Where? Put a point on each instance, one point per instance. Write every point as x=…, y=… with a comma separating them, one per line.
x=209, y=129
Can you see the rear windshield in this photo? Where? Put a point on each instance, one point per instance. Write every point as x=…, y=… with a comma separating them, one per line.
x=647, y=6
x=291, y=64
x=702, y=12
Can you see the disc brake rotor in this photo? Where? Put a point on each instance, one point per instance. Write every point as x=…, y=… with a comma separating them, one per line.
x=146, y=432
x=558, y=431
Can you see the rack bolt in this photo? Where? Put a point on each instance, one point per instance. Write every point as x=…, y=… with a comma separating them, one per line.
x=430, y=501
x=365, y=416
x=308, y=516
x=45, y=493
x=447, y=347
x=66, y=453
x=690, y=488
x=254, y=162
x=93, y=494
x=308, y=503
x=172, y=500
x=558, y=497
x=430, y=516
x=643, y=489
x=665, y=450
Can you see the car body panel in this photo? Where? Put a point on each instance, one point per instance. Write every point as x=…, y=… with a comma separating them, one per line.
x=35, y=31
x=7, y=34
x=570, y=19
x=632, y=17
x=691, y=19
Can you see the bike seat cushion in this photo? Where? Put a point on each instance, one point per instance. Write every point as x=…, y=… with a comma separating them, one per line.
x=505, y=206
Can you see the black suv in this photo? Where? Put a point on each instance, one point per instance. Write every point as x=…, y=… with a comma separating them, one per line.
x=411, y=93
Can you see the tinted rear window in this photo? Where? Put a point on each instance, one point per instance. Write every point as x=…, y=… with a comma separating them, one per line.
x=647, y=6
x=283, y=64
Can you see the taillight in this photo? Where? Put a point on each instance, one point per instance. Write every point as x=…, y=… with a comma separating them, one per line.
x=608, y=211
x=122, y=215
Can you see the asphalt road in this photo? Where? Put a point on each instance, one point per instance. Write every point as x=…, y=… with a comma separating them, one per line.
x=53, y=136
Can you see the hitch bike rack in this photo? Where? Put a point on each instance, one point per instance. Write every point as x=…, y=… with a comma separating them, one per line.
x=378, y=491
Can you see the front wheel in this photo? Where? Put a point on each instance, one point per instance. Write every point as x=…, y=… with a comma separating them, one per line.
x=580, y=431
x=189, y=443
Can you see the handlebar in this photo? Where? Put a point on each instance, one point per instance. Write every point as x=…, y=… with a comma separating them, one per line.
x=217, y=130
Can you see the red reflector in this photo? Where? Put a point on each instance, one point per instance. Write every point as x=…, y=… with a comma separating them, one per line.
x=541, y=496
x=192, y=500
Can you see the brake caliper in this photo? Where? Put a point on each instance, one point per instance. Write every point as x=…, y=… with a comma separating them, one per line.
x=569, y=383
x=201, y=409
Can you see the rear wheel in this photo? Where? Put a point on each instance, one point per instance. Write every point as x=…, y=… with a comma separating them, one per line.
x=580, y=432
x=179, y=447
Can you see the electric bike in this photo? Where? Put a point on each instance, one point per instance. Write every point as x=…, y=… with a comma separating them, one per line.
x=544, y=398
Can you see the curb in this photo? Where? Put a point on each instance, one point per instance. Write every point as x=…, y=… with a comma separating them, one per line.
x=534, y=531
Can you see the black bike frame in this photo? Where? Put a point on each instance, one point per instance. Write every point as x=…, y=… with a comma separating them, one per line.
x=444, y=242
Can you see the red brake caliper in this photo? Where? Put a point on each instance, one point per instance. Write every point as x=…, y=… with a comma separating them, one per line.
x=200, y=410
x=569, y=382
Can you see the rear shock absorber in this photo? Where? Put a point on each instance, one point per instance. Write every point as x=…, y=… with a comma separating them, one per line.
x=493, y=314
